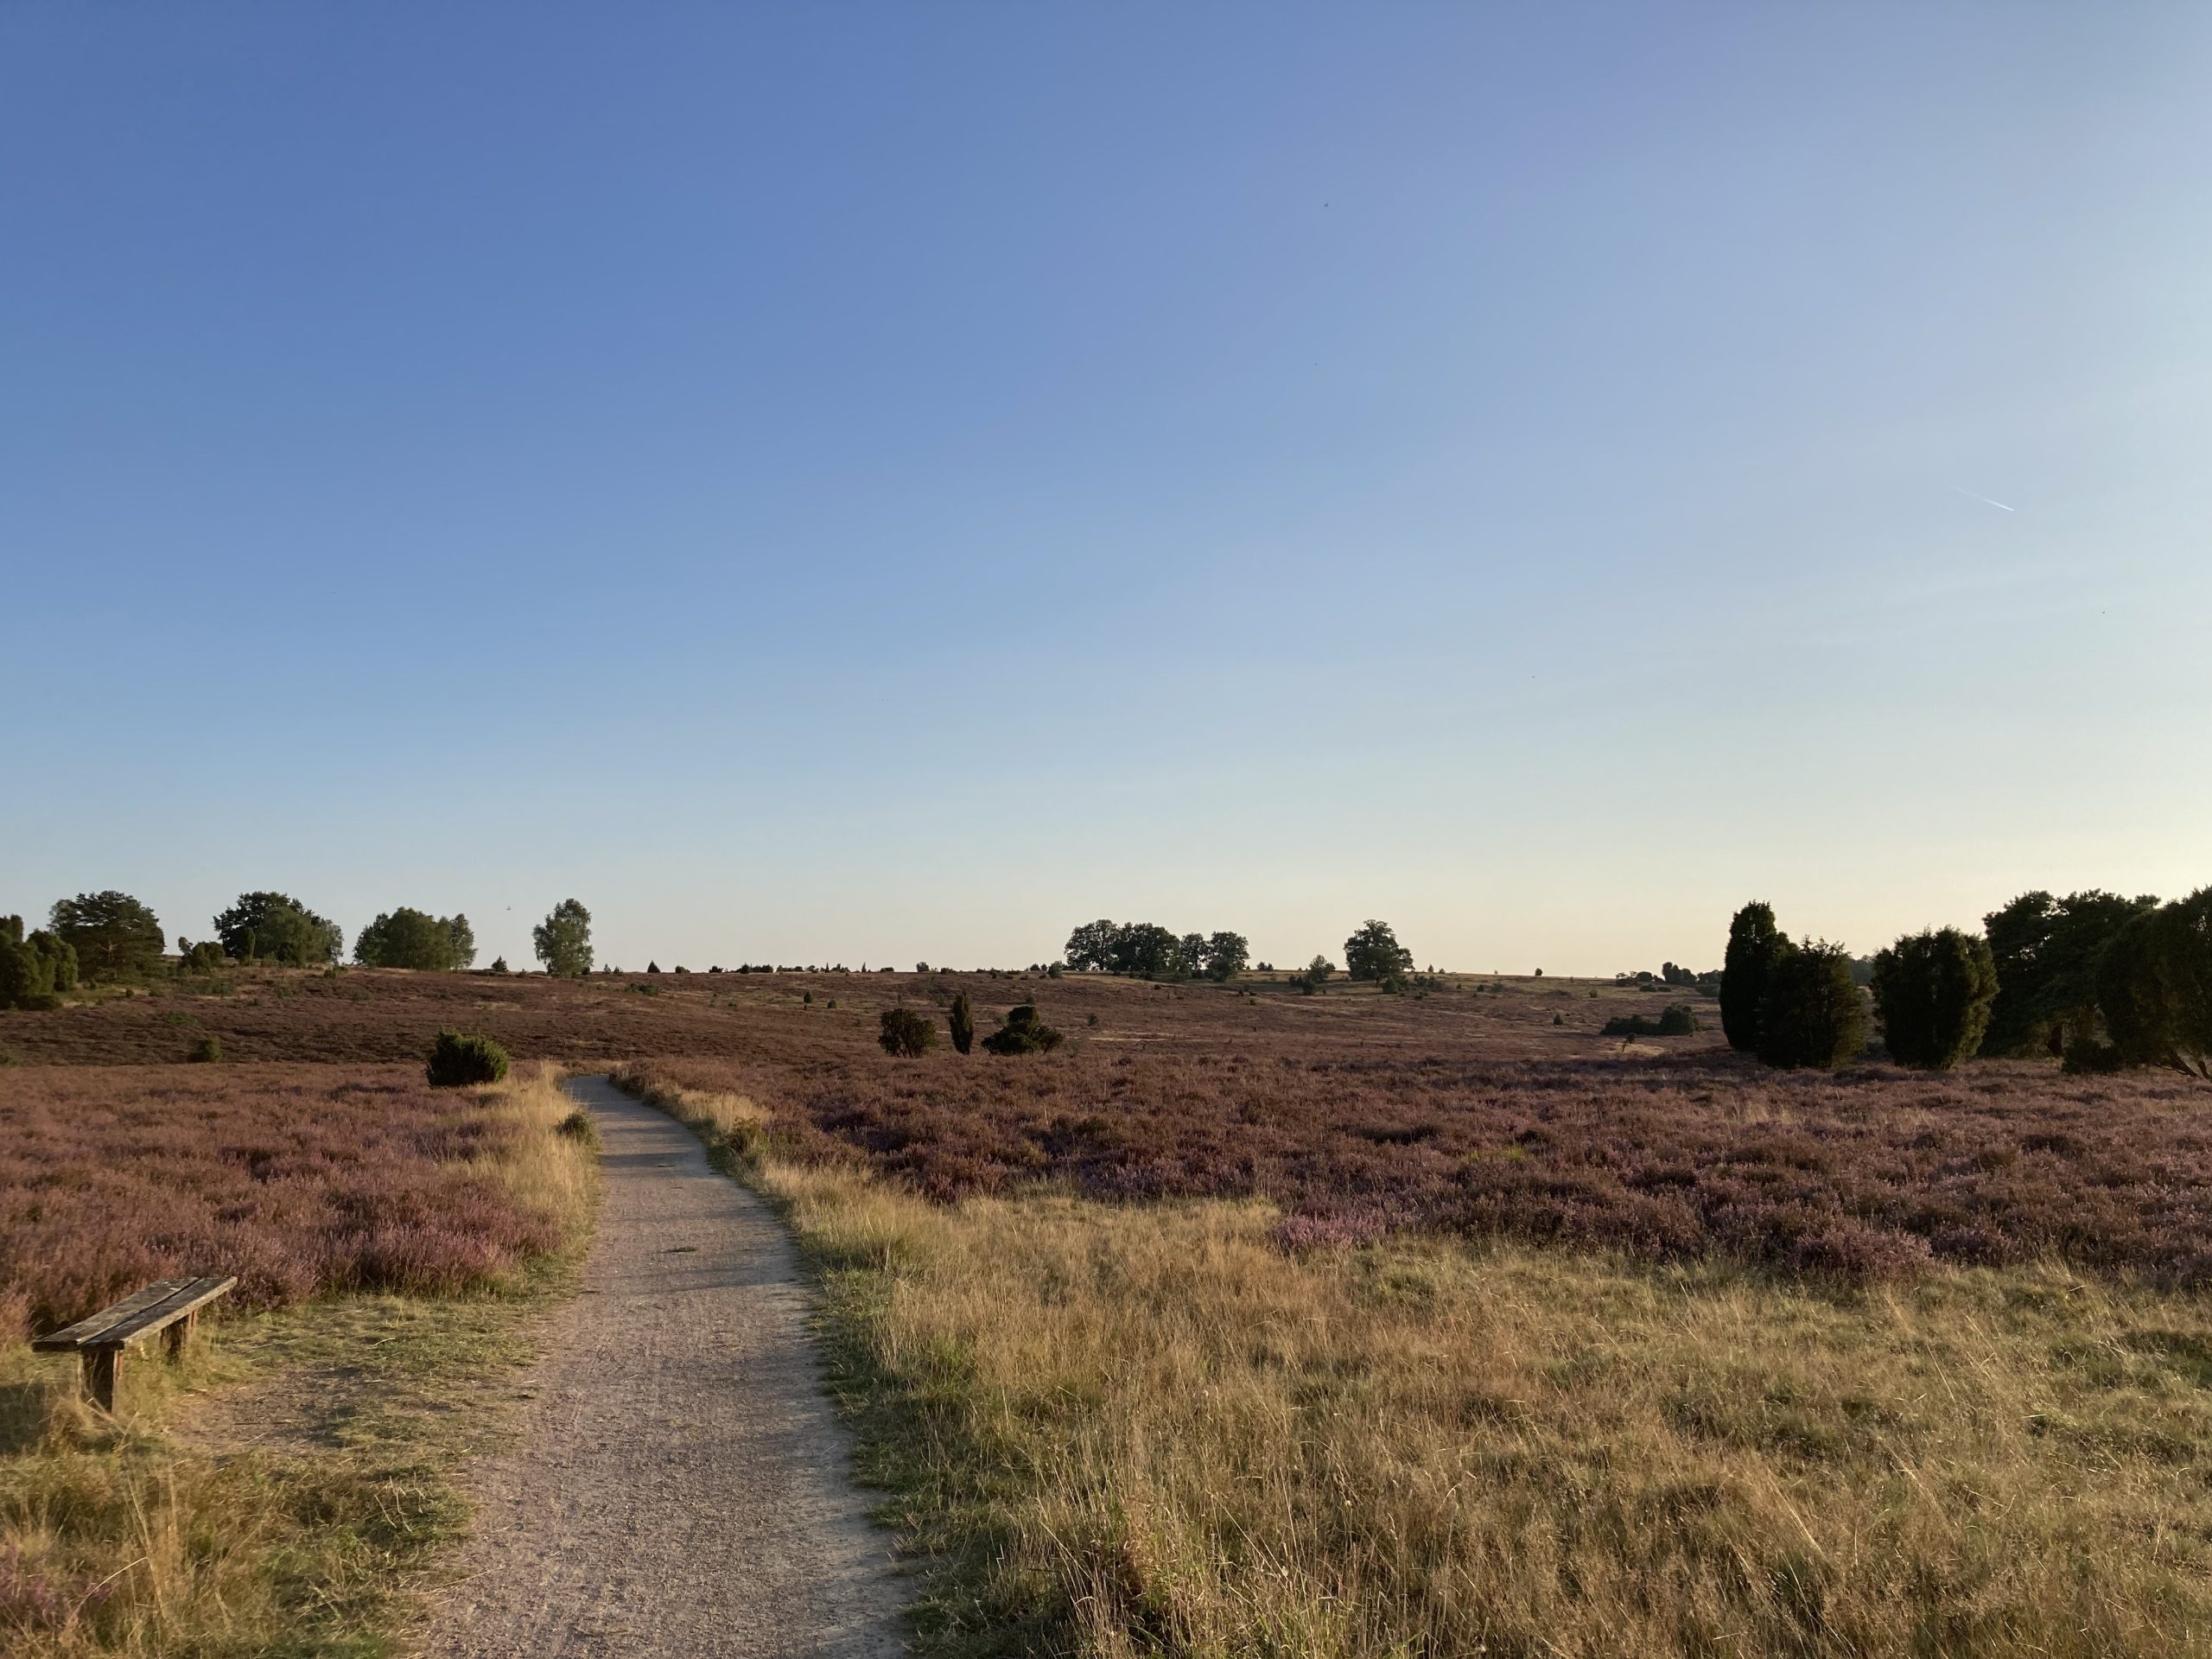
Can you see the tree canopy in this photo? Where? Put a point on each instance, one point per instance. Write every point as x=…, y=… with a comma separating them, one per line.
x=1147, y=950
x=563, y=940
x=1932, y=992
x=2045, y=950
x=276, y=927
x=2154, y=986
x=114, y=936
x=414, y=938
x=1227, y=956
x=35, y=972
x=1374, y=952
x=1813, y=1015
x=1754, y=946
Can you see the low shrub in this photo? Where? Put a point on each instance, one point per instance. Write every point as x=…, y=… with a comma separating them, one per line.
x=906, y=1033
x=961, y=1022
x=207, y=1050
x=2085, y=1057
x=205, y=957
x=1023, y=1034
x=458, y=1061
x=1676, y=1019
x=579, y=1127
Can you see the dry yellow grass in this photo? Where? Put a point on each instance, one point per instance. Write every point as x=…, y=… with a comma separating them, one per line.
x=137, y=1537
x=1145, y=1431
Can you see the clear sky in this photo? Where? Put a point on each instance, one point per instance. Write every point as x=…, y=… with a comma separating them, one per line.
x=877, y=482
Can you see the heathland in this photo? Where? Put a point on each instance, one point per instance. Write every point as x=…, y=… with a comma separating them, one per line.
x=1251, y=1322
x=279, y=1490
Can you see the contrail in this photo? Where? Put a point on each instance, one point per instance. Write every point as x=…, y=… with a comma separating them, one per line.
x=1983, y=499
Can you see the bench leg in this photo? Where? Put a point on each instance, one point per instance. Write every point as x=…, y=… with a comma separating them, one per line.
x=178, y=1337
x=100, y=1367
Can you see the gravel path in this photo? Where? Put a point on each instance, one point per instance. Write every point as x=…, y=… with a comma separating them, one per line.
x=681, y=1485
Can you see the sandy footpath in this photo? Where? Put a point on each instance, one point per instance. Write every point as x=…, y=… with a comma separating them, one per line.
x=680, y=1485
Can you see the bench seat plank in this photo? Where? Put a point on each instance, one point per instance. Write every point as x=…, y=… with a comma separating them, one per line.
x=160, y=1304
x=93, y=1326
x=189, y=1296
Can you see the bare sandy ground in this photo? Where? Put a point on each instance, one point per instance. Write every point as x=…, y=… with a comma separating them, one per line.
x=680, y=1485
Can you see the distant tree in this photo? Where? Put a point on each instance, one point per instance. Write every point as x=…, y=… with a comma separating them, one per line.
x=906, y=1033
x=1812, y=1016
x=1754, y=942
x=499, y=965
x=1373, y=953
x=1932, y=992
x=2154, y=987
x=276, y=927
x=961, y=1022
x=414, y=938
x=652, y=967
x=114, y=936
x=1091, y=947
x=2046, y=951
x=1226, y=954
x=1023, y=1034
x=1190, y=956
x=1675, y=974
x=1315, y=971
x=1143, y=951
x=563, y=940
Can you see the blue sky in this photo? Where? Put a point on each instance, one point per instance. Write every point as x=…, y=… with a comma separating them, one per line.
x=873, y=483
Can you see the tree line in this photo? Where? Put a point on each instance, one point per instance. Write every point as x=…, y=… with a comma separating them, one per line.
x=2098, y=981
x=1147, y=950
x=110, y=938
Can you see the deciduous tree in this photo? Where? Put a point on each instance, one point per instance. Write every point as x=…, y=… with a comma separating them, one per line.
x=412, y=938
x=1373, y=953
x=2046, y=951
x=1226, y=955
x=276, y=927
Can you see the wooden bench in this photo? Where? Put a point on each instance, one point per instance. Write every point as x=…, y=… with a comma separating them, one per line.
x=168, y=1304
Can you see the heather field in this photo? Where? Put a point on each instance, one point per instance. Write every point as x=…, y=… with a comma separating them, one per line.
x=1121, y=1429
x=1492, y=1108
x=396, y=1249
x=357, y=1014
x=301, y=1180
x=1250, y=1323
x=1664, y=1158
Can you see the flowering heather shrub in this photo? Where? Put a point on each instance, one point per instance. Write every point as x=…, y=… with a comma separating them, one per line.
x=1871, y=1173
x=301, y=1180
x=38, y=1603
